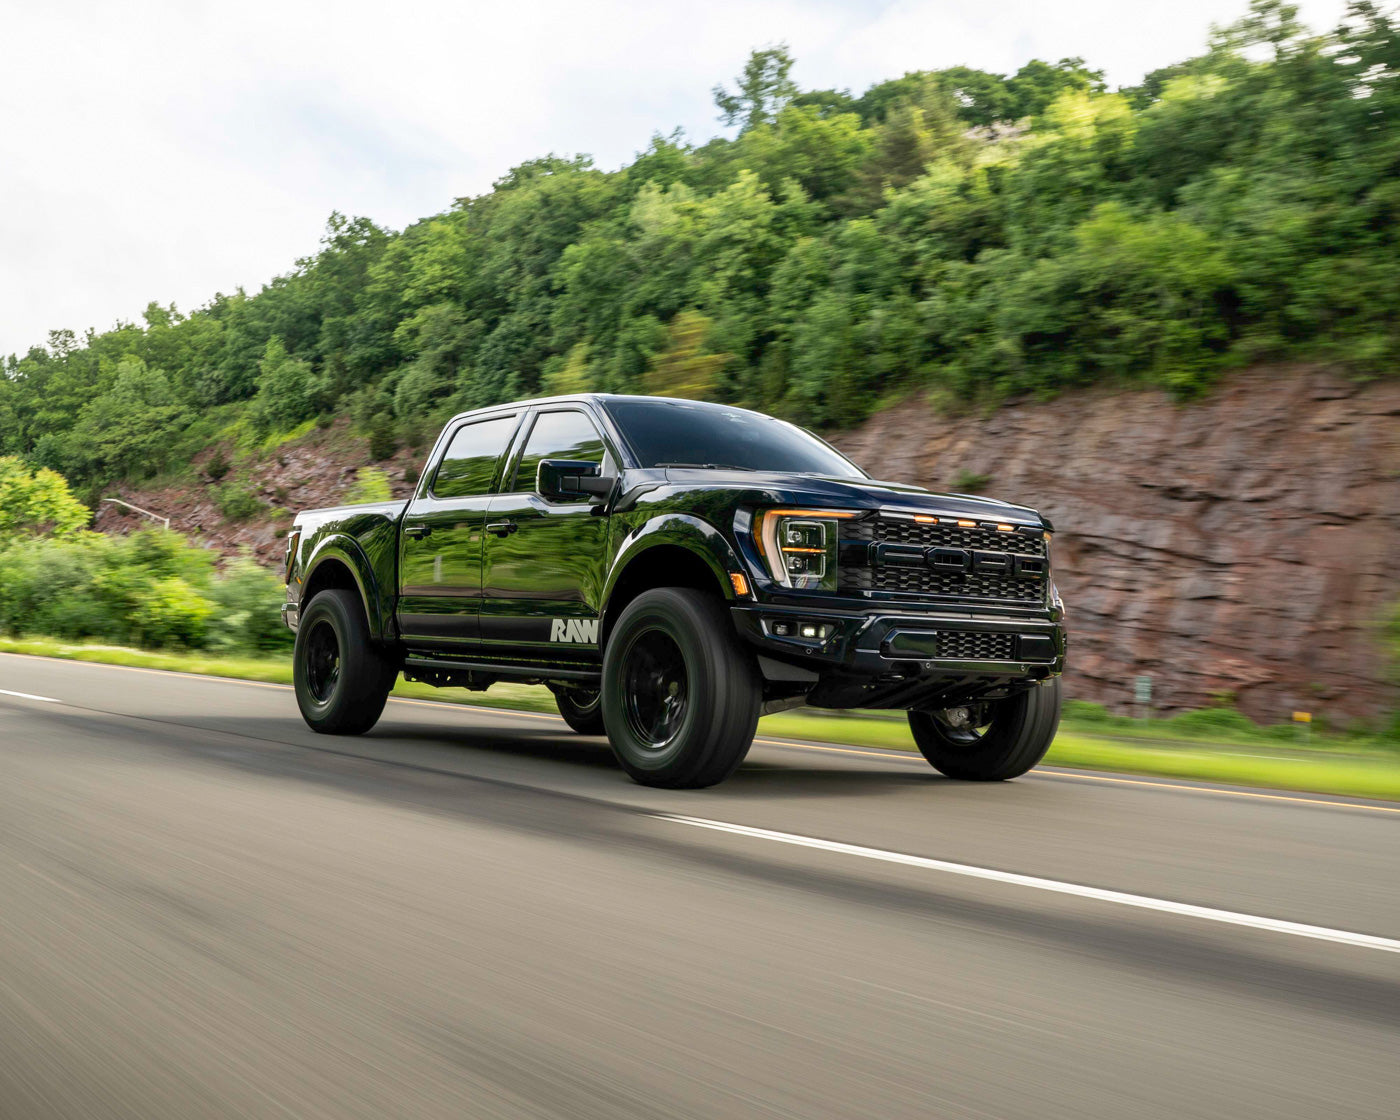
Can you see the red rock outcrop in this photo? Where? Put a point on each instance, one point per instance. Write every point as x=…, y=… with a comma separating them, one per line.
x=1246, y=544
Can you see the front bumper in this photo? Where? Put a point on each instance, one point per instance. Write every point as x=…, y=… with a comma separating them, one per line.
x=880, y=642
x=290, y=615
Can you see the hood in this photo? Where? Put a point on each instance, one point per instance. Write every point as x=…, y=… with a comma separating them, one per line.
x=763, y=488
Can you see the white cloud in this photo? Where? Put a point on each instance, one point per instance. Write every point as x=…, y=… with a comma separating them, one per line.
x=169, y=150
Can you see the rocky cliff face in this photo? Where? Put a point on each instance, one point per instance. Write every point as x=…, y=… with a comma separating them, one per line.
x=1245, y=545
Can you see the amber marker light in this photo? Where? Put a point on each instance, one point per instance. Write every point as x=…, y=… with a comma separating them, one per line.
x=1006, y=528
x=922, y=520
x=741, y=585
x=293, y=539
x=967, y=524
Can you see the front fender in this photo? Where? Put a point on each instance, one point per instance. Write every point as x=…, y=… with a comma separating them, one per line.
x=348, y=551
x=679, y=530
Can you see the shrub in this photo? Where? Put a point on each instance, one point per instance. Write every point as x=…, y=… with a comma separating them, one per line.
x=152, y=588
x=969, y=482
x=169, y=612
x=238, y=503
x=383, y=437
x=248, y=617
x=371, y=485
x=218, y=465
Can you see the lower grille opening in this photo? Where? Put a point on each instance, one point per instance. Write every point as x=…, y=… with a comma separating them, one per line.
x=972, y=645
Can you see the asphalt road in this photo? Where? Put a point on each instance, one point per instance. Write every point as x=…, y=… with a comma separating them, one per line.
x=207, y=911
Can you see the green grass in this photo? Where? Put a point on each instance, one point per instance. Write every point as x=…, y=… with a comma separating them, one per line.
x=1355, y=766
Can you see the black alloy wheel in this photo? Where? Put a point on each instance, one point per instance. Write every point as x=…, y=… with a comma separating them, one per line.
x=656, y=688
x=582, y=708
x=341, y=677
x=681, y=694
x=322, y=662
x=998, y=740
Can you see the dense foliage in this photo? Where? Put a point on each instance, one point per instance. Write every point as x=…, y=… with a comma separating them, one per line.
x=153, y=588
x=973, y=233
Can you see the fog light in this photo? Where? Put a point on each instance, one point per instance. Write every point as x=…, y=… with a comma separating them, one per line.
x=809, y=631
x=781, y=629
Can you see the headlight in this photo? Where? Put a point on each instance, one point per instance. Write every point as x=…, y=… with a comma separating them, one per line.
x=799, y=546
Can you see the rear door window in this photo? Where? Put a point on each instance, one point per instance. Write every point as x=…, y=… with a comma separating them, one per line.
x=469, y=464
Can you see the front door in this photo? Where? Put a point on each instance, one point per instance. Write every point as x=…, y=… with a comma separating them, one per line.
x=440, y=539
x=545, y=561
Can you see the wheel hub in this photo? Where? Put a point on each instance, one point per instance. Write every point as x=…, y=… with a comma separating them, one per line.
x=322, y=662
x=656, y=688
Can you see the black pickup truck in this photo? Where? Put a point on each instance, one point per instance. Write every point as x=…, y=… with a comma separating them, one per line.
x=672, y=570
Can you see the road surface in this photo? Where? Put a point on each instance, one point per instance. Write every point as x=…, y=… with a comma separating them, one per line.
x=207, y=911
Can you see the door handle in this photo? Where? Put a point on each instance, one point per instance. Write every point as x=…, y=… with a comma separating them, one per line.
x=417, y=530
x=502, y=528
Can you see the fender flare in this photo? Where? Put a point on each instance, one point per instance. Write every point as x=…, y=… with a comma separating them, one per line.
x=348, y=551
x=680, y=530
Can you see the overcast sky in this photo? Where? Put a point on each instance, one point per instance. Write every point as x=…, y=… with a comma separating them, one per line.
x=171, y=150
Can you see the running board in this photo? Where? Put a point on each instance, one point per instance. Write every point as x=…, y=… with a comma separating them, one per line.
x=452, y=667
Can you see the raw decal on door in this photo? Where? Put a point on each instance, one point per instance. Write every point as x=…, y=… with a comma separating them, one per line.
x=574, y=630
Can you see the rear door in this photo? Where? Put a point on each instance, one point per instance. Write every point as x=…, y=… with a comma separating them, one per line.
x=545, y=561
x=441, y=535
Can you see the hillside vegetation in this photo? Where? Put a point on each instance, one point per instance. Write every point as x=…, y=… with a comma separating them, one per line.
x=965, y=232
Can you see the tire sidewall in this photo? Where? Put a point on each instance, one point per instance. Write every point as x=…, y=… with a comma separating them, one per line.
x=585, y=719
x=365, y=678
x=325, y=610
x=723, y=690
x=646, y=614
x=1021, y=732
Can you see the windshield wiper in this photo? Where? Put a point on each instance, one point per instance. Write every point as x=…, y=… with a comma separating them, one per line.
x=708, y=466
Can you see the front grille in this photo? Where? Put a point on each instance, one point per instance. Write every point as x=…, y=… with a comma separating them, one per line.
x=971, y=645
x=892, y=530
x=913, y=578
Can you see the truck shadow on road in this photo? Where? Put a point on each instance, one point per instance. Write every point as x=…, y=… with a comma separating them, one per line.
x=762, y=778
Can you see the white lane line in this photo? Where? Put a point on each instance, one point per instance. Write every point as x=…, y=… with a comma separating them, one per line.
x=29, y=696
x=1142, y=902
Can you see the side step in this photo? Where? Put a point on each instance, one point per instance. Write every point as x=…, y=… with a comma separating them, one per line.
x=477, y=675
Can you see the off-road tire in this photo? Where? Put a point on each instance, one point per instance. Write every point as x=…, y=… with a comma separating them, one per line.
x=696, y=733
x=582, y=710
x=1021, y=730
x=346, y=697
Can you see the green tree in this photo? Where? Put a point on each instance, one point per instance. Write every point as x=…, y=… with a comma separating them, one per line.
x=685, y=368
x=127, y=431
x=37, y=502
x=288, y=390
x=761, y=90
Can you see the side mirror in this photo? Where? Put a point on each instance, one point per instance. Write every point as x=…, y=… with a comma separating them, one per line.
x=572, y=480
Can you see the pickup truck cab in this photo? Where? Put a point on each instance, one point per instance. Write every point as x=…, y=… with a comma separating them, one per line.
x=672, y=570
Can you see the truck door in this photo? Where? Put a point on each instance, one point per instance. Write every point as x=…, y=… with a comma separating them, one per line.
x=545, y=561
x=440, y=538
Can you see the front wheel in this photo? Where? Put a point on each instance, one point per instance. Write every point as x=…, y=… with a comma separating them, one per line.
x=680, y=694
x=993, y=741
x=342, y=680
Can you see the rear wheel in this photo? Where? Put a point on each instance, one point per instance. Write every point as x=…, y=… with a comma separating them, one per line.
x=993, y=741
x=582, y=709
x=680, y=695
x=342, y=679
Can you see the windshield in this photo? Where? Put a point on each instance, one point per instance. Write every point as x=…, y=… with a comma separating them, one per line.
x=693, y=434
